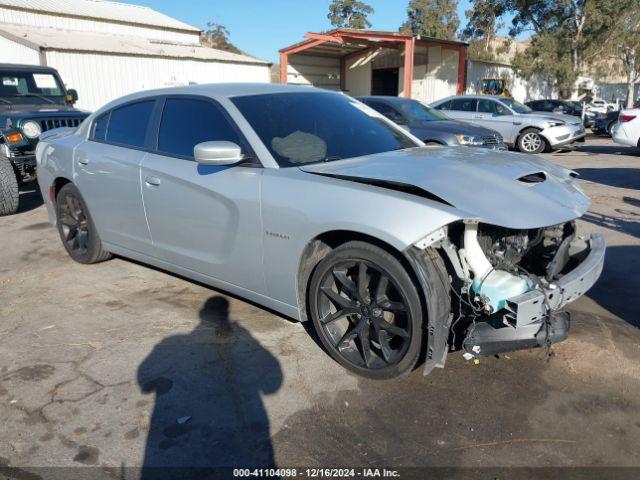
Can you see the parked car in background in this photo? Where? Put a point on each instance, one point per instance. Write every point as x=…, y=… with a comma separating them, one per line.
x=308, y=202
x=599, y=105
x=519, y=125
x=33, y=99
x=432, y=126
x=565, y=107
x=604, y=122
x=627, y=130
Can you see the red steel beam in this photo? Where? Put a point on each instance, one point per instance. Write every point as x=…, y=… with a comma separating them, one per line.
x=324, y=38
x=409, y=48
x=462, y=70
x=284, y=67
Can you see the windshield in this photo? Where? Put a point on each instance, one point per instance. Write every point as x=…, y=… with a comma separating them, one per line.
x=302, y=128
x=38, y=87
x=417, y=111
x=516, y=106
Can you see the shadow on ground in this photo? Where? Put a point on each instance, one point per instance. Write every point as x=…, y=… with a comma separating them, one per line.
x=208, y=386
x=30, y=197
x=609, y=149
x=617, y=289
x=614, y=177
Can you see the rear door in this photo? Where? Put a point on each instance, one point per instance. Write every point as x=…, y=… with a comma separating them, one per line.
x=204, y=218
x=107, y=168
x=462, y=109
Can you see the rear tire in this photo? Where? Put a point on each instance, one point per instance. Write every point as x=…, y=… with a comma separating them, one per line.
x=76, y=228
x=9, y=195
x=609, y=128
x=367, y=311
x=530, y=141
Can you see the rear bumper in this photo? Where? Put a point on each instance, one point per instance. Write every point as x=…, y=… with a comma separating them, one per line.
x=534, y=318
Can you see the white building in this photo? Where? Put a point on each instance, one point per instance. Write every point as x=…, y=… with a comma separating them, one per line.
x=105, y=49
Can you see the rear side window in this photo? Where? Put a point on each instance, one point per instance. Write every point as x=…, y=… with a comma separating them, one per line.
x=187, y=122
x=444, y=106
x=100, y=127
x=464, y=104
x=128, y=124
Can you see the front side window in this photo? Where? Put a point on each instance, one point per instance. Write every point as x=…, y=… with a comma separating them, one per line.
x=300, y=128
x=128, y=124
x=419, y=112
x=516, y=106
x=187, y=122
x=489, y=106
x=444, y=106
x=464, y=104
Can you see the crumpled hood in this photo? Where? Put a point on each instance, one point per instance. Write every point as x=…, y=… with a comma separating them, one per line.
x=550, y=117
x=481, y=184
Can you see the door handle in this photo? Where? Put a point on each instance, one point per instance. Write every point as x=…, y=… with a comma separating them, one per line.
x=83, y=161
x=152, y=181
x=478, y=116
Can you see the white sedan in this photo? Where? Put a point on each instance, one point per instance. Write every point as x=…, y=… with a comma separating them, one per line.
x=627, y=130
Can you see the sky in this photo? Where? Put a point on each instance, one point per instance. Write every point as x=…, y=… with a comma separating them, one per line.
x=262, y=27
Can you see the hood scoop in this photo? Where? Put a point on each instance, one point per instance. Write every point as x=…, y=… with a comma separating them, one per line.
x=537, y=177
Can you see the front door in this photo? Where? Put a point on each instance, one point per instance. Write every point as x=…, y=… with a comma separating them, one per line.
x=204, y=218
x=492, y=114
x=108, y=174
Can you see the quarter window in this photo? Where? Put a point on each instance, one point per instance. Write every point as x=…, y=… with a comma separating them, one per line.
x=187, y=122
x=100, y=127
x=128, y=124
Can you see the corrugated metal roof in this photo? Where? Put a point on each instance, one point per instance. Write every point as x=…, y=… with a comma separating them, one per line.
x=99, y=9
x=72, y=40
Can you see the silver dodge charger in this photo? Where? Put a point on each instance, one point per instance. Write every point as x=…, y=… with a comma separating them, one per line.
x=314, y=205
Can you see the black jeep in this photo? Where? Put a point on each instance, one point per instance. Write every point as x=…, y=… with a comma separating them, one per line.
x=33, y=100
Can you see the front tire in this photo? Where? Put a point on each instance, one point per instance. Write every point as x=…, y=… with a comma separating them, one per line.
x=367, y=311
x=9, y=195
x=76, y=228
x=530, y=141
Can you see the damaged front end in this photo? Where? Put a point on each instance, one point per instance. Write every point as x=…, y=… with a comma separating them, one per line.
x=509, y=286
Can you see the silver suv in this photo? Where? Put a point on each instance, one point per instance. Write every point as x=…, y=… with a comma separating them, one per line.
x=521, y=127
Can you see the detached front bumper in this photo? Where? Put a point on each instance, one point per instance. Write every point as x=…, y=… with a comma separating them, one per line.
x=534, y=318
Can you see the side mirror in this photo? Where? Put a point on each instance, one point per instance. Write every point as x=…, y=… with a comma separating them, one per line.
x=72, y=96
x=217, y=153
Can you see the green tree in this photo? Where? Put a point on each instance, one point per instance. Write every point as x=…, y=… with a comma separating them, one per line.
x=567, y=35
x=217, y=36
x=483, y=22
x=349, y=14
x=625, y=48
x=432, y=18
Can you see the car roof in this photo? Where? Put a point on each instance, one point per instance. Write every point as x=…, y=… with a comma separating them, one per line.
x=217, y=90
x=452, y=97
x=23, y=67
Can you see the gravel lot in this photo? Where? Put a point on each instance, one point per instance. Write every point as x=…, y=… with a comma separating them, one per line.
x=100, y=364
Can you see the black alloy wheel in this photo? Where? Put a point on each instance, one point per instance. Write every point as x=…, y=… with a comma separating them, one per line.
x=76, y=228
x=366, y=311
x=73, y=223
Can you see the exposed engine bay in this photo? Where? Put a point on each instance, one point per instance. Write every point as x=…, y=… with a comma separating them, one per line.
x=509, y=285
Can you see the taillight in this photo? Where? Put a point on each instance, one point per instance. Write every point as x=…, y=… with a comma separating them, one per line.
x=626, y=118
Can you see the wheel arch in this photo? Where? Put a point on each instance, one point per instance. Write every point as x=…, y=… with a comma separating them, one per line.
x=319, y=246
x=56, y=186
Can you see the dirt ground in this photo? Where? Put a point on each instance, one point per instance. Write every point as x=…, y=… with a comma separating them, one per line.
x=118, y=365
